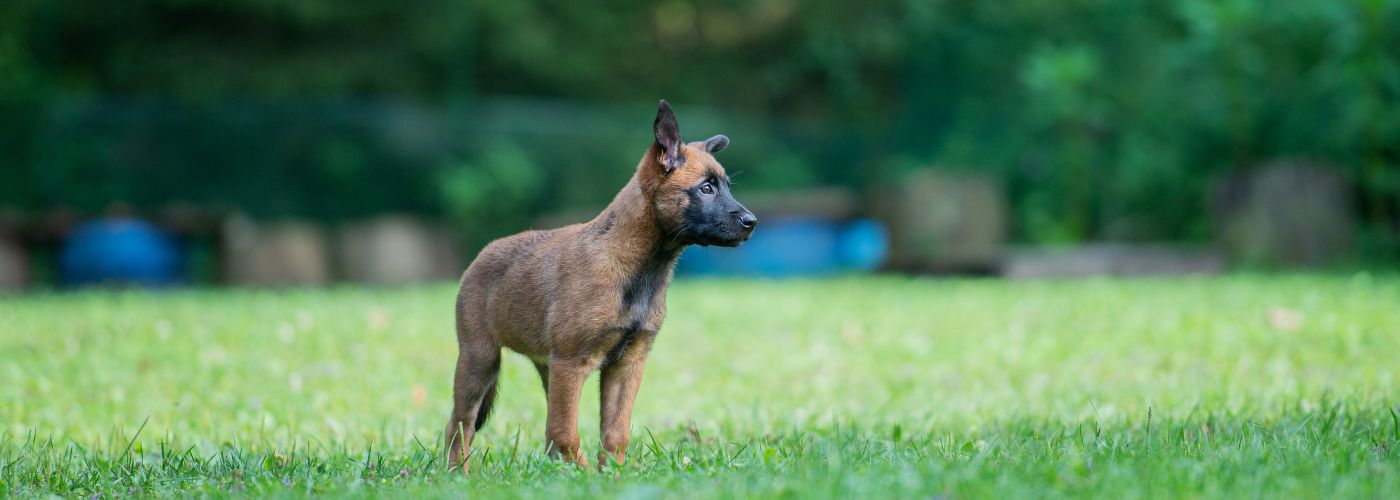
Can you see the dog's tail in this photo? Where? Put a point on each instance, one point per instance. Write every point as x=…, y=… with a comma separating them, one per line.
x=487, y=401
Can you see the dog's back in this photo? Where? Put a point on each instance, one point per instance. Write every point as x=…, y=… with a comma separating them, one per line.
x=506, y=292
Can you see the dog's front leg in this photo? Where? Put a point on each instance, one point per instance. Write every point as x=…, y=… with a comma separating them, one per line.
x=566, y=376
x=619, y=383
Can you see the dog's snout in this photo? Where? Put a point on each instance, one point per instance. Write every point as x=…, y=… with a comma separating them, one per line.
x=747, y=219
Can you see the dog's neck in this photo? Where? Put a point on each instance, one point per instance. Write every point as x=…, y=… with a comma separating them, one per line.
x=631, y=234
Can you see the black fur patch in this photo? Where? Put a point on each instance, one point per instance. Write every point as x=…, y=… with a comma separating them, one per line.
x=642, y=286
x=707, y=218
x=628, y=335
x=695, y=214
x=636, y=301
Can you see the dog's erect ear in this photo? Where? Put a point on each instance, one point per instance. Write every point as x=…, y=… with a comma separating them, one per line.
x=717, y=143
x=668, y=136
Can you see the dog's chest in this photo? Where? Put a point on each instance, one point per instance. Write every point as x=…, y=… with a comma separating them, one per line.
x=643, y=294
x=638, y=303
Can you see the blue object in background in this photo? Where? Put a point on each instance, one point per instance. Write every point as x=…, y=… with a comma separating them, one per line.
x=863, y=245
x=122, y=251
x=797, y=246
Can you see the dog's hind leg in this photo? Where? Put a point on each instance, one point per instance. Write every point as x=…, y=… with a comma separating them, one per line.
x=473, y=392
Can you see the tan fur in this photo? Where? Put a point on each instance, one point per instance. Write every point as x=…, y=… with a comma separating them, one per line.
x=559, y=297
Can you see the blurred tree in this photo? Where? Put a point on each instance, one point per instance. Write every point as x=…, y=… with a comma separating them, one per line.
x=1106, y=119
x=496, y=193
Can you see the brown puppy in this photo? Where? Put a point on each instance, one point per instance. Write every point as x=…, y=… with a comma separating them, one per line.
x=590, y=296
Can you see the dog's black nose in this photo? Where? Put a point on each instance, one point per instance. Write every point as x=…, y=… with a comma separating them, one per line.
x=748, y=219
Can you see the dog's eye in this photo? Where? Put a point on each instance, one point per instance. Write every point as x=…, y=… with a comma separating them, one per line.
x=707, y=188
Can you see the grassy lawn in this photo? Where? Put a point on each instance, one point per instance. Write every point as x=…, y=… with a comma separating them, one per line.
x=867, y=387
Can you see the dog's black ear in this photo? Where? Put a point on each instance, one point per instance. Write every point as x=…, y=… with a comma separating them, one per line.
x=717, y=143
x=668, y=136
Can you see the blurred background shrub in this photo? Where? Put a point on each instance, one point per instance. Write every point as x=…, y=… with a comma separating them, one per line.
x=1102, y=120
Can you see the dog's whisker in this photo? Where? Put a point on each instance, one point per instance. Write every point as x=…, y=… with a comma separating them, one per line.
x=677, y=232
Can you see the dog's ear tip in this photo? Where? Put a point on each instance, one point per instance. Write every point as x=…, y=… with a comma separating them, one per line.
x=717, y=143
x=664, y=112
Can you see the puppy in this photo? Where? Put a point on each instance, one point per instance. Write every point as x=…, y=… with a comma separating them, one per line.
x=590, y=296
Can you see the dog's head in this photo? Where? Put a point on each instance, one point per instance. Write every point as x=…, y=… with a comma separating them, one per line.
x=688, y=189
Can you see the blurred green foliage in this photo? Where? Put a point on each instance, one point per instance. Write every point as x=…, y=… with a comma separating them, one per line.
x=497, y=192
x=1105, y=119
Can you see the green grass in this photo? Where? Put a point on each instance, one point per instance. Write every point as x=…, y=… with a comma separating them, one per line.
x=865, y=387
